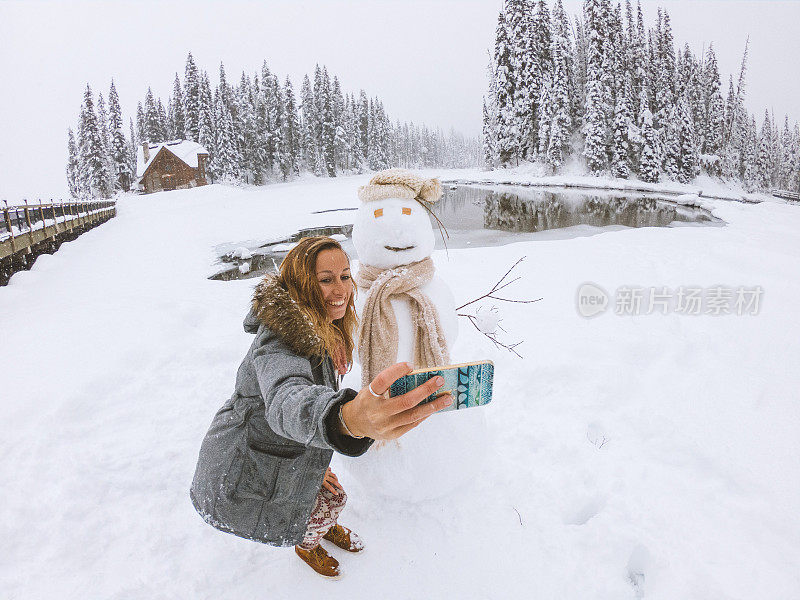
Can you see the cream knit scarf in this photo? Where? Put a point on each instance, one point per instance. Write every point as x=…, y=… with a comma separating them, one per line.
x=377, y=329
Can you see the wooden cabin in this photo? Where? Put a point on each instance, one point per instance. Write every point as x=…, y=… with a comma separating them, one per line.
x=175, y=165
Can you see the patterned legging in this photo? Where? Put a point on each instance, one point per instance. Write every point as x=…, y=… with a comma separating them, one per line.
x=324, y=515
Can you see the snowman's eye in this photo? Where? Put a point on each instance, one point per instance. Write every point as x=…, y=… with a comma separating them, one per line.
x=379, y=213
x=406, y=211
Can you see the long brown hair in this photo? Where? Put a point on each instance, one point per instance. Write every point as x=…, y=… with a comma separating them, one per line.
x=298, y=274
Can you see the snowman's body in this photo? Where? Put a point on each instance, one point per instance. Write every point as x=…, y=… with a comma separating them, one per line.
x=388, y=234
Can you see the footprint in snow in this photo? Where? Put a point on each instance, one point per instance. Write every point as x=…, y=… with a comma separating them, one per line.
x=637, y=566
x=596, y=434
x=580, y=513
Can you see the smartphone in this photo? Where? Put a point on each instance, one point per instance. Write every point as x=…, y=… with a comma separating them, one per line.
x=469, y=383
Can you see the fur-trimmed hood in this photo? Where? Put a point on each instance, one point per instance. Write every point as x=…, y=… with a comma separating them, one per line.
x=273, y=307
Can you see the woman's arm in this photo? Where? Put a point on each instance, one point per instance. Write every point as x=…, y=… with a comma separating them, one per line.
x=300, y=410
x=297, y=408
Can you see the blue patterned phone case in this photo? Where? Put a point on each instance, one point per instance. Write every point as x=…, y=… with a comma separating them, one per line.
x=469, y=383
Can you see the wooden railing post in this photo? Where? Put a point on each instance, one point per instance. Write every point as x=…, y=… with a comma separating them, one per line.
x=41, y=216
x=28, y=221
x=9, y=226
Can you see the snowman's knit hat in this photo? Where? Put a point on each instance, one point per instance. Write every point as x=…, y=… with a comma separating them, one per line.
x=399, y=183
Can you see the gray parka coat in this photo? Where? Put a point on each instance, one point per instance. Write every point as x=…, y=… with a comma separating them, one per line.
x=264, y=457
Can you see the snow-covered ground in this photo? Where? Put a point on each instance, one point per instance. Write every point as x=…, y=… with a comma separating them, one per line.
x=649, y=456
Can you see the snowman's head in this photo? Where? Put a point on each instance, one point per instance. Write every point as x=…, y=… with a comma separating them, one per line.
x=391, y=232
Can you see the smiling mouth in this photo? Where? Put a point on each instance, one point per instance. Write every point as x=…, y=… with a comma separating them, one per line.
x=395, y=249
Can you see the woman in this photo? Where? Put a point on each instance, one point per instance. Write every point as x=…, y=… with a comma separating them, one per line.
x=263, y=468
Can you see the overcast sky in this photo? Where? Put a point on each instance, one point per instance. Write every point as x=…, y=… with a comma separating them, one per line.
x=425, y=59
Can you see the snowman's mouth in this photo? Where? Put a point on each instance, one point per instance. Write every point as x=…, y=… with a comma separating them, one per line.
x=396, y=249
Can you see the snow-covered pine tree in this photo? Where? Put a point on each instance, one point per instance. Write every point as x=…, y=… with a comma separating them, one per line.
x=788, y=152
x=358, y=159
x=171, y=118
x=595, y=126
x=794, y=182
x=82, y=179
x=545, y=116
x=225, y=162
x=363, y=123
x=750, y=166
x=764, y=158
x=713, y=106
x=664, y=93
x=307, y=127
x=518, y=32
x=163, y=122
x=734, y=136
x=385, y=130
x=178, y=114
x=120, y=157
x=105, y=139
x=688, y=159
x=609, y=74
x=206, y=125
x=401, y=131
x=649, y=161
x=620, y=158
x=692, y=77
x=73, y=168
x=614, y=59
x=507, y=132
x=629, y=38
x=776, y=153
x=191, y=87
x=541, y=65
x=319, y=118
x=667, y=52
x=489, y=130
x=742, y=132
x=579, y=70
x=246, y=134
x=327, y=124
x=281, y=152
x=562, y=87
x=380, y=129
x=270, y=102
x=290, y=133
x=682, y=73
x=486, y=139
x=672, y=144
x=141, y=128
x=132, y=150
x=151, y=125
x=641, y=81
x=94, y=176
x=341, y=149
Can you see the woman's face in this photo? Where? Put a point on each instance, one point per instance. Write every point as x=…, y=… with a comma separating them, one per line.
x=333, y=276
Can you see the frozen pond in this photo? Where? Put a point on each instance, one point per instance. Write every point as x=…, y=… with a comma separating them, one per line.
x=480, y=215
x=498, y=215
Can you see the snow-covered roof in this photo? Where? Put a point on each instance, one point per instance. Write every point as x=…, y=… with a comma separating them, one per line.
x=186, y=150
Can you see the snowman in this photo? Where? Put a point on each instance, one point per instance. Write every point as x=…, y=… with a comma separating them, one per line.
x=407, y=314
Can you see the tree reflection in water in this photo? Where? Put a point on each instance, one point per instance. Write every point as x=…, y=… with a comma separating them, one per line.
x=525, y=210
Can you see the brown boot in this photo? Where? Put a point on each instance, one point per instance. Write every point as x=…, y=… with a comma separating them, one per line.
x=344, y=538
x=319, y=560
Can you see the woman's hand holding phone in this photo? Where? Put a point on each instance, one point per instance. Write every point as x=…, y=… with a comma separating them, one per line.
x=380, y=417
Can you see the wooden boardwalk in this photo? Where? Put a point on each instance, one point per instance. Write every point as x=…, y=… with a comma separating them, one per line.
x=786, y=195
x=32, y=229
